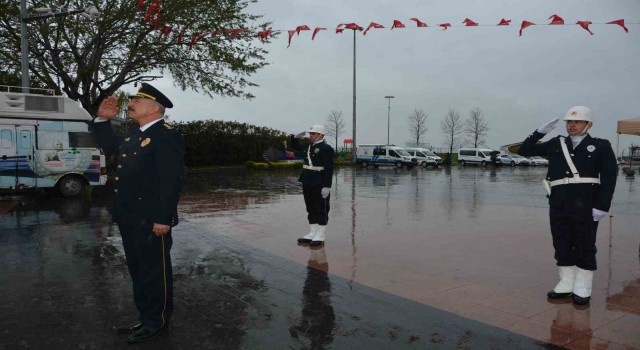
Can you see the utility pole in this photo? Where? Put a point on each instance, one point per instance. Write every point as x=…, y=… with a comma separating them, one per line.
x=388, y=117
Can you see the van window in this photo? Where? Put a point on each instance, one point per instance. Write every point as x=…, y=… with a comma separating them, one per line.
x=430, y=153
x=413, y=153
x=467, y=152
x=81, y=140
x=483, y=154
x=393, y=153
x=379, y=151
x=420, y=154
x=7, y=139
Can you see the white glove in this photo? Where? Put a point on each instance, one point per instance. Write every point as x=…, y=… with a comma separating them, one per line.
x=548, y=126
x=598, y=214
x=300, y=135
x=326, y=190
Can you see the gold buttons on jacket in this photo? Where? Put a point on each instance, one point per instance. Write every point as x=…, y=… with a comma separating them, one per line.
x=117, y=178
x=124, y=155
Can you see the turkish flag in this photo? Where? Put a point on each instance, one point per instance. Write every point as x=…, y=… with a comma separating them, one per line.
x=140, y=4
x=419, y=23
x=291, y=32
x=585, y=25
x=180, y=37
x=619, y=22
x=352, y=26
x=166, y=30
x=372, y=25
x=555, y=19
x=152, y=11
x=302, y=27
x=315, y=31
x=524, y=25
x=470, y=23
x=504, y=22
x=264, y=35
x=397, y=24
x=444, y=25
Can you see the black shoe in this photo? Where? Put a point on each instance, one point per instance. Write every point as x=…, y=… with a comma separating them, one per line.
x=578, y=300
x=316, y=243
x=553, y=295
x=304, y=240
x=146, y=333
x=128, y=328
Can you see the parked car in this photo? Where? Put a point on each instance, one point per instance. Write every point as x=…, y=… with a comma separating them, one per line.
x=384, y=155
x=481, y=156
x=425, y=156
x=506, y=159
x=536, y=160
x=520, y=160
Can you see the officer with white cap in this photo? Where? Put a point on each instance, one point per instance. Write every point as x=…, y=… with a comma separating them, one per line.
x=316, y=179
x=581, y=179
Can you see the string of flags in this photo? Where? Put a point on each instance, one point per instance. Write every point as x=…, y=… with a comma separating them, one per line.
x=153, y=18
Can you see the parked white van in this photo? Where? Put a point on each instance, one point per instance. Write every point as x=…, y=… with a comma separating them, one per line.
x=425, y=156
x=480, y=156
x=384, y=155
x=45, y=142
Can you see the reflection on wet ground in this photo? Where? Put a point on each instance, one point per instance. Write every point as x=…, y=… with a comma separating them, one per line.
x=426, y=258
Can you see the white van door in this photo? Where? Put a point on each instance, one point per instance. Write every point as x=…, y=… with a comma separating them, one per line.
x=16, y=155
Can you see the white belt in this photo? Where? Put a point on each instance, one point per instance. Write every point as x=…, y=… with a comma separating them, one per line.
x=574, y=180
x=313, y=168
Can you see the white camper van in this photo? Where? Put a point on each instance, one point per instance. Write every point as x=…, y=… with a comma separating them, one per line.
x=384, y=155
x=425, y=156
x=45, y=142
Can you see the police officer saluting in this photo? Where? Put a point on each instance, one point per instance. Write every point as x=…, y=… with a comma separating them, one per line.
x=147, y=188
x=316, y=178
x=581, y=179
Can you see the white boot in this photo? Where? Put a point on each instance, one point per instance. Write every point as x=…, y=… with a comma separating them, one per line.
x=564, y=288
x=313, y=229
x=318, y=239
x=582, y=287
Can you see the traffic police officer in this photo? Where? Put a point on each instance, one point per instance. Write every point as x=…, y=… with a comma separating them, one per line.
x=581, y=179
x=147, y=188
x=316, y=178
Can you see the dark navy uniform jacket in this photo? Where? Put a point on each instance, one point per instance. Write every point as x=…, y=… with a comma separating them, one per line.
x=149, y=173
x=593, y=157
x=321, y=155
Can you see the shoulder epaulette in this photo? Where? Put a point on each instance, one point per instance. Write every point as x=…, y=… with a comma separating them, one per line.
x=167, y=126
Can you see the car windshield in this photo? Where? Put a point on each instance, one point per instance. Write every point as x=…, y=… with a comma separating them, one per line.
x=403, y=153
x=515, y=156
x=429, y=153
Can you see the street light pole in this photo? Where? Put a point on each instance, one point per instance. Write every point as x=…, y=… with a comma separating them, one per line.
x=388, y=117
x=24, y=53
x=90, y=12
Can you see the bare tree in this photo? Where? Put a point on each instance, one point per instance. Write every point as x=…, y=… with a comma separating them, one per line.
x=452, y=129
x=335, y=126
x=475, y=128
x=417, y=125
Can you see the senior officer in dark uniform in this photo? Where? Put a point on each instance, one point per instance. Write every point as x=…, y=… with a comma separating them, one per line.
x=581, y=179
x=316, y=178
x=147, y=188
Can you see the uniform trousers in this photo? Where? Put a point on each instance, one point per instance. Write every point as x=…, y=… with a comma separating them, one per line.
x=574, y=238
x=149, y=263
x=317, y=207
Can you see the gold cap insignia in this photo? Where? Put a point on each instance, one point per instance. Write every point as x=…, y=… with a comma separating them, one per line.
x=127, y=139
x=145, y=142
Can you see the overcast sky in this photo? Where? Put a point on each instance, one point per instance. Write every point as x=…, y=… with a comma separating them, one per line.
x=517, y=82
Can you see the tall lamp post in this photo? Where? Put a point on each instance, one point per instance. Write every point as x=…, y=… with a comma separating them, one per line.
x=353, y=137
x=388, y=116
x=90, y=12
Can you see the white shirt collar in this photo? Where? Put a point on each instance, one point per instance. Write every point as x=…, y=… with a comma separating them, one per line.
x=577, y=139
x=317, y=142
x=147, y=126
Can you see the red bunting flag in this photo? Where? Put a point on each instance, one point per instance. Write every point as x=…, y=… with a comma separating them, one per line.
x=156, y=22
x=315, y=31
x=555, y=19
x=397, y=24
x=619, y=22
x=339, y=30
x=352, y=26
x=504, y=22
x=585, y=25
x=233, y=33
x=194, y=40
x=264, y=35
x=444, y=25
x=166, y=30
x=524, y=25
x=419, y=23
x=372, y=25
x=140, y=4
x=152, y=11
x=302, y=27
x=470, y=23
x=291, y=32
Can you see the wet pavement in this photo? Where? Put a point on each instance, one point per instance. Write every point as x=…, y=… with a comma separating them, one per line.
x=425, y=258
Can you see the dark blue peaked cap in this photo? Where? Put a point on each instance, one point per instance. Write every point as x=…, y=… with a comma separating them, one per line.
x=148, y=91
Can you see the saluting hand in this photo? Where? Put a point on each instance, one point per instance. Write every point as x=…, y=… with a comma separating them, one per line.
x=598, y=214
x=325, y=192
x=108, y=108
x=548, y=126
x=160, y=229
x=300, y=135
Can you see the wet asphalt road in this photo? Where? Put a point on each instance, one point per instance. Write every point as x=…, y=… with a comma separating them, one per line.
x=64, y=283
